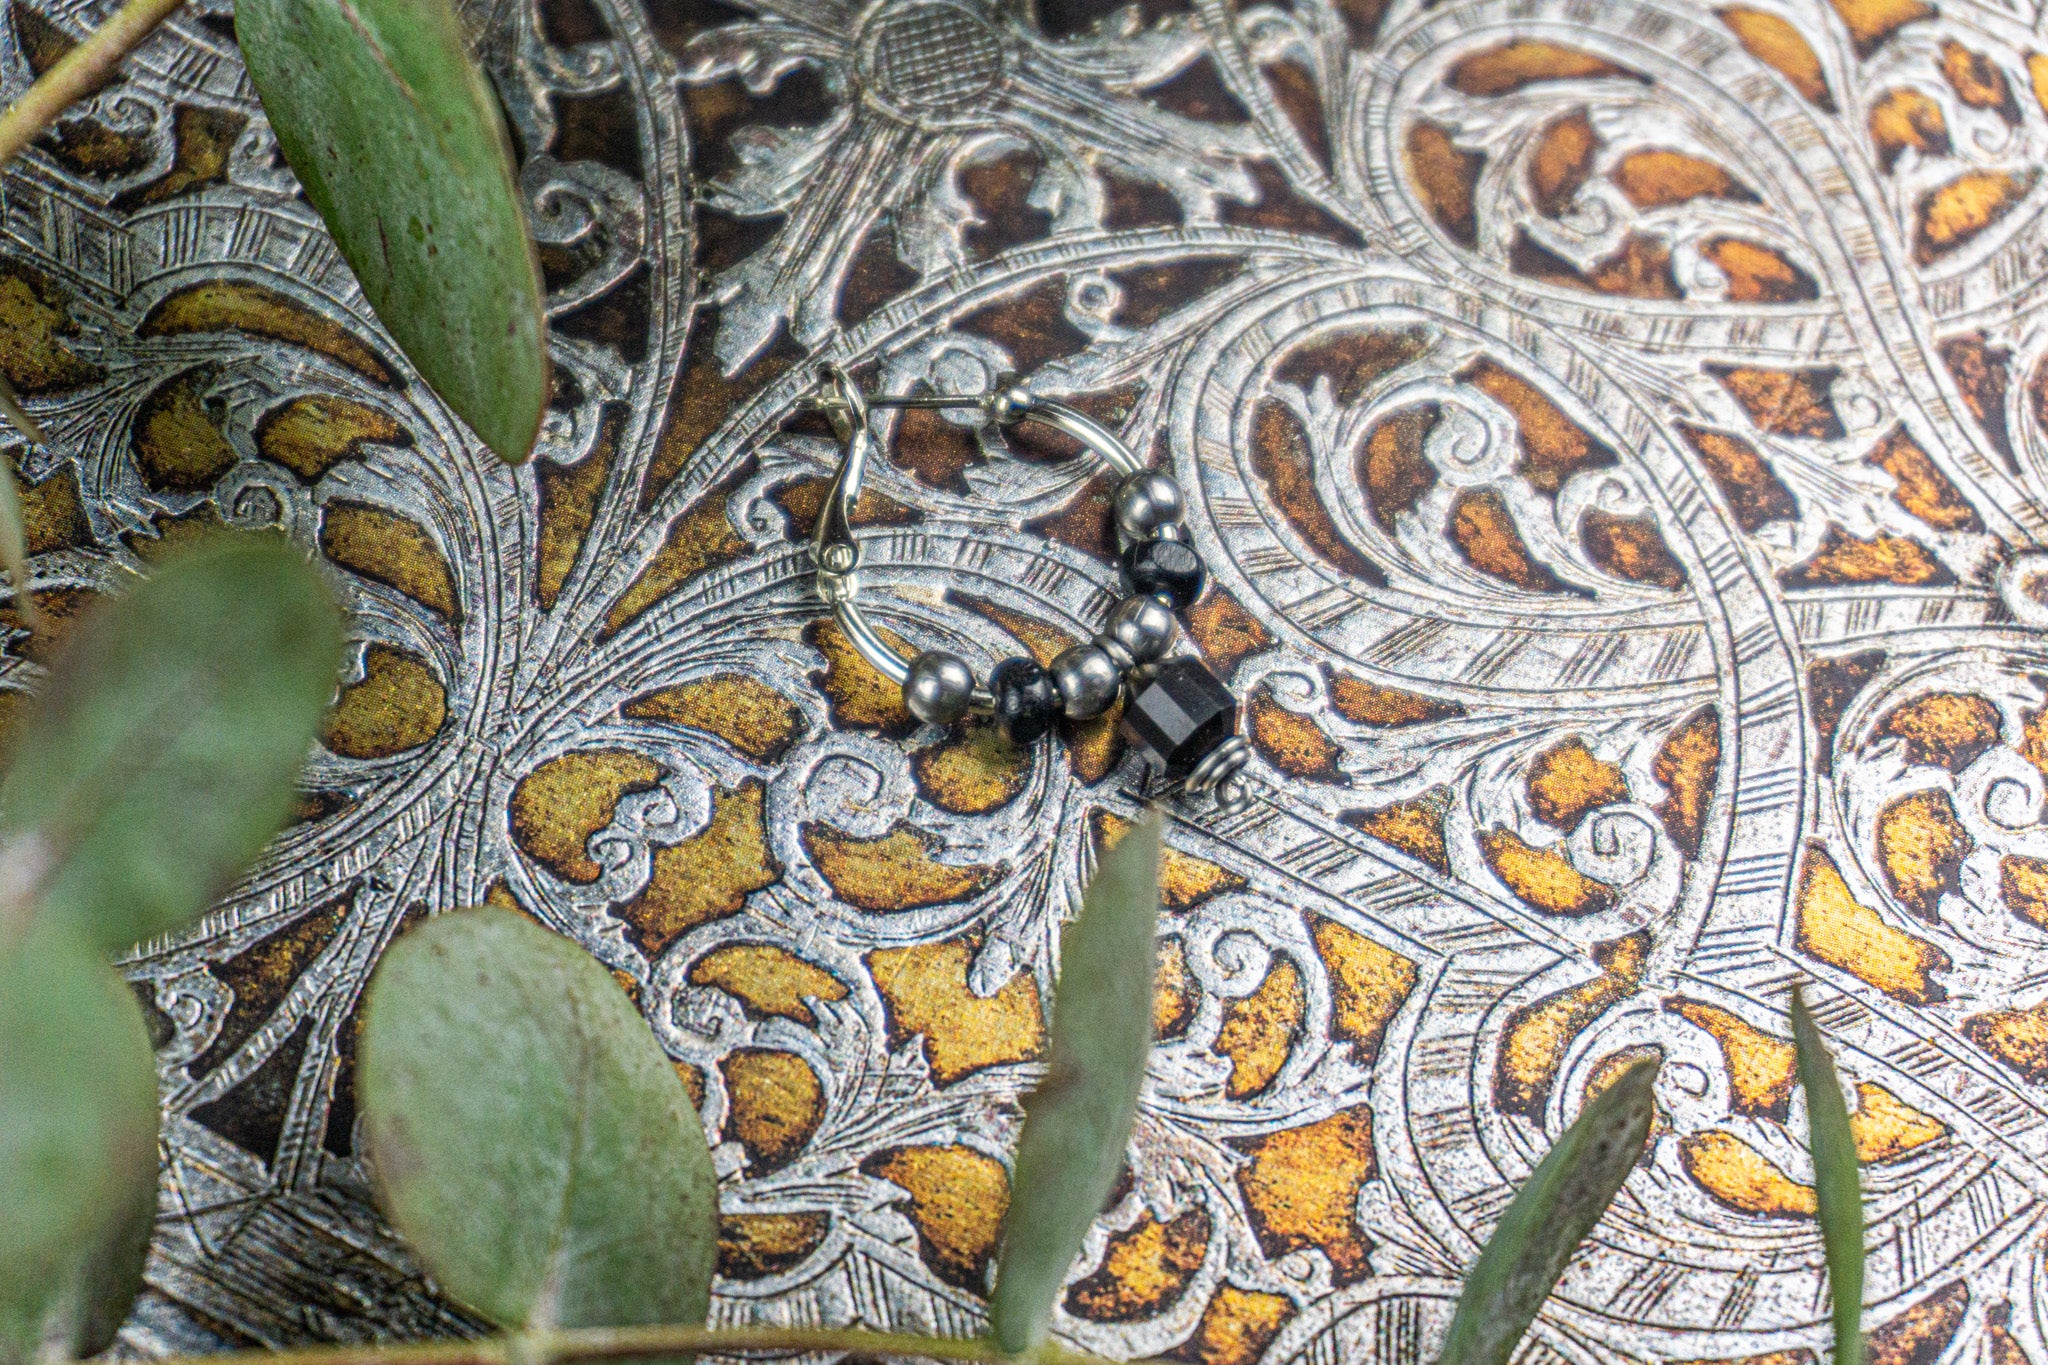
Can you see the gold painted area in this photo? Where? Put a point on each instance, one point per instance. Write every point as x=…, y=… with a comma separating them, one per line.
x=1762, y=1067
x=894, y=871
x=1887, y=1128
x=1568, y=781
x=1259, y=1030
x=1883, y=558
x=1444, y=176
x=1145, y=1269
x=568, y=507
x=1907, y=118
x=1872, y=22
x=1185, y=881
x=1368, y=985
x=1485, y=533
x=745, y=712
x=699, y=539
x=1658, y=178
x=1291, y=742
x=2023, y=885
x=767, y=980
x=1173, y=992
x=315, y=432
x=1301, y=1187
x=1921, y=846
x=957, y=1199
x=708, y=875
x=1562, y=162
x=1538, y=1034
x=236, y=306
x=775, y=1104
x=1837, y=928
x=924, y=989
x=2016, y=1037
x=1944, y=729
x=1741, y=1177
x=973, y=770
x=1511, y=66
x=34, y=322
x=1949, y=217
x=398, y=704
x=1977, y=80
x=1919, y=1335
x=1554, y=447
x=177, y=440
x=1923, y=489
x=52, y=515
x=1236, y=1327
x=1758, y=273
x=560, y=804
x=1416, y=827
x=1543, y=878
x=57, y=611
x=1366, y=703
x=1773, y=41
x=392, y=550
x=1224, y=632
x=753, y=1246
x=1688, y=767
x=860, y=697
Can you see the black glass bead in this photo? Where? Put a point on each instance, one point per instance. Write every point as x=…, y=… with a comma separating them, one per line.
x=1167, y=569
x=1177, y=713
x=1026, y=700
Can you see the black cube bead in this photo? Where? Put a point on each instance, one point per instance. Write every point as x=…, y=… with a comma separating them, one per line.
x=1167, y=569
x=1026, y=699
x=1177, y=713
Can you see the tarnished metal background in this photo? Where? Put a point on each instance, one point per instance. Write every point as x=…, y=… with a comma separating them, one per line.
x=1620, y=434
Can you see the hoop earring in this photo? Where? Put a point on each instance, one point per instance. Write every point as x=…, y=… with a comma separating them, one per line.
x=1178, y=715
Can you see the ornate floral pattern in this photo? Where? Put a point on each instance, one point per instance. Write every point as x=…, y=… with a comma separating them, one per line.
x=1620, y=436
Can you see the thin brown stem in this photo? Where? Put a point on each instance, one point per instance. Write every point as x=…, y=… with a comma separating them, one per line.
x=616, y=1343
x=79, y=72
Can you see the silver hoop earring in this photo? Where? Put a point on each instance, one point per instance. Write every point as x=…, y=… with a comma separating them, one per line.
x=1178, y=715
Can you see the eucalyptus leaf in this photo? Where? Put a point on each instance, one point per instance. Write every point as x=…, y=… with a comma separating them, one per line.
x=527, y=1134
x=1835, y=1181
x=167, y=742
x=78, y=1126
x=1551, y=1214
x=392, y=130
x=1078, y=1121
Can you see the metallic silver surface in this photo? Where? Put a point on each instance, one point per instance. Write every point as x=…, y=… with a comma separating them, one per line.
x=1144, y=626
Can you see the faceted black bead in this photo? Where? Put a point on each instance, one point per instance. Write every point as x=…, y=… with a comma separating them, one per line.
x=1026, y=700
x=1168, y=569
x=1177, y=713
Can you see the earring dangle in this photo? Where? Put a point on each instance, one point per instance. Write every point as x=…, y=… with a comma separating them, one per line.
x=1179, y=716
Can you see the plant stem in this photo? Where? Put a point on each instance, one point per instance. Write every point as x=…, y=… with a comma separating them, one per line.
x=79, y=72
x=614, y=1343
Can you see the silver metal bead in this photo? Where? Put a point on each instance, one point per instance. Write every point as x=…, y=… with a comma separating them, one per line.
x=1009, y=404
x=1088, y=681
x=939, y=689
x=1147, y=501
x=1144, y=626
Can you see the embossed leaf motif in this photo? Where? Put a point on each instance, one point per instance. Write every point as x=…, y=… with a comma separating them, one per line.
x=1078, y=1120
x=394, y=134
x=78, y=1126
x=169, y=740
x=528, y=1135
x=1551, y=1214
x=1835, y=1179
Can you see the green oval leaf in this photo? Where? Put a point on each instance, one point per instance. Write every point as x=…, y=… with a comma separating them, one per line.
x=78, y=1125
x=1551, y=1214
x=1835, y=1180
x=390, y=127
x=1078, y=1121
x=527, y=1134
x=166, y=744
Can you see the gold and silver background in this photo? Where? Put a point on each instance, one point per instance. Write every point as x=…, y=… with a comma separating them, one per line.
x=1619, y=433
